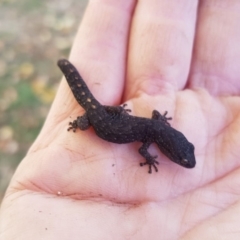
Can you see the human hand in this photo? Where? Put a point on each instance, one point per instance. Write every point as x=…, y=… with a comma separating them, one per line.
x=154, y=56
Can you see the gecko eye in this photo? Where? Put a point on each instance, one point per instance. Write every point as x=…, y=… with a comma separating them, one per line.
x=188, y=163
x=184, y=161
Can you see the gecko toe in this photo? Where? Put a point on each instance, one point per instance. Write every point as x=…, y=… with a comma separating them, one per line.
x=73, y=126
x=151, y=162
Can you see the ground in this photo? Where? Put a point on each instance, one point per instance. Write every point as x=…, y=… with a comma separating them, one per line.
x=33, y=36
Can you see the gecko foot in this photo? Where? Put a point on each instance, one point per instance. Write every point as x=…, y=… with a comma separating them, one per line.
x=163, y=118
x=73, y=126
x=126, y=109
x=81, y=122
x=151, y=162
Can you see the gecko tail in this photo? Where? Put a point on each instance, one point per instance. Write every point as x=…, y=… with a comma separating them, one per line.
x=79, y=88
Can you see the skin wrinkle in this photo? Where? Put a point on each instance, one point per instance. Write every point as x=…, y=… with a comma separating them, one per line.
x=95, y=198
x=183, y=221
x=218, y=209
x=206, y=184
x=221, y=177
x=156, y=87
x=207, y=81
x=221, y=133
x=207, y=220
x=200, y=187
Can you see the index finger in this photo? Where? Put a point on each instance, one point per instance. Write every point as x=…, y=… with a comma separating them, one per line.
x=99, y=50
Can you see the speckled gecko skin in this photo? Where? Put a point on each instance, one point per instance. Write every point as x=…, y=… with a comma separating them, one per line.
x=115, y=124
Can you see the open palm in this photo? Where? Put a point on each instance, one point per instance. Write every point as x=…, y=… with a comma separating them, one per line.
x=165, y=55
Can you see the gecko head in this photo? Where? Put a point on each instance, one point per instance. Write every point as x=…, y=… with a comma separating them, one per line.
x=178, y=149
x=186, y=157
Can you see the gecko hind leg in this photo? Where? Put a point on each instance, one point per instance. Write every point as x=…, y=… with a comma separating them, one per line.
x=81, y=122
x=150, y=160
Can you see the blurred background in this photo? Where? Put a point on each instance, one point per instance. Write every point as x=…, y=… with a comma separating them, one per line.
x=33, y=36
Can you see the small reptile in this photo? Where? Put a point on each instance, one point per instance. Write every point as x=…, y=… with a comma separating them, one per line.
x=115, y=124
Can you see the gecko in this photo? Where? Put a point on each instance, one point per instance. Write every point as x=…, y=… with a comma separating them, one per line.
x=115, y=124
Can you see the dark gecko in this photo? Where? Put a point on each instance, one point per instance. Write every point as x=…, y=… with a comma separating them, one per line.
x=114, y=124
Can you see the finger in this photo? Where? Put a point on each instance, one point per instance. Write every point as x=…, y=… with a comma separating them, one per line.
x=160, y=47
x=216, y=58
x=99, y=50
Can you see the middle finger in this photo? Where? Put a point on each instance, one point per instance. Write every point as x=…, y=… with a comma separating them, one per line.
x=160, y=48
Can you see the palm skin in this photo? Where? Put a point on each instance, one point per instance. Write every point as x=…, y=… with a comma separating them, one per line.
x=152, y=56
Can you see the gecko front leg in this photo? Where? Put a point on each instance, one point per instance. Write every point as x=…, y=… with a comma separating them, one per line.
x=150, y=160
x=163, y=118
x=117, y=110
